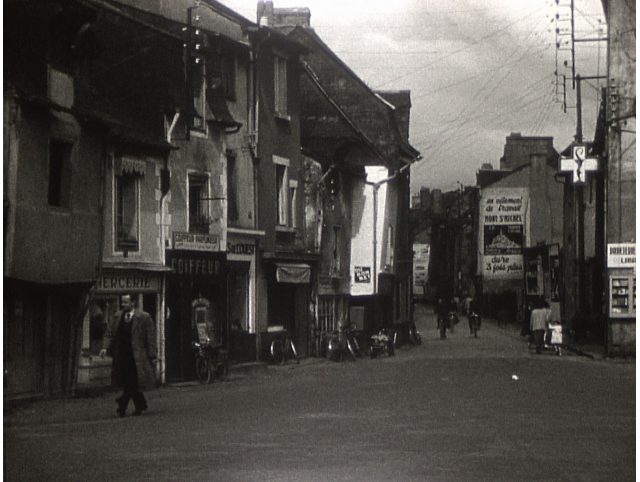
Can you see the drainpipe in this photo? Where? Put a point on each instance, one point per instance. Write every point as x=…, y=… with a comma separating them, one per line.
x=376, y=186
x=162, y=363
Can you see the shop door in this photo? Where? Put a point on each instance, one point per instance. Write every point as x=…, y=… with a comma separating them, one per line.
x=301, y=338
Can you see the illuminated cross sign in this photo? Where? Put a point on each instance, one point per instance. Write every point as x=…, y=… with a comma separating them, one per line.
x=578, y=164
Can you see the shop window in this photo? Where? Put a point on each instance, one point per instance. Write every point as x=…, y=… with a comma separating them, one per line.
x=280, y=85
x=199, y=220
x=59, y=172
x=232, y=183
x=281, y=194
x=127, y=211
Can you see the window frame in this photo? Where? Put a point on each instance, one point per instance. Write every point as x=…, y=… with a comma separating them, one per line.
x=120, y=244
x=293, y=208
x=282, y=201
x=62, y=184
x=199, y=71
x=204, y=208
x=280, y=85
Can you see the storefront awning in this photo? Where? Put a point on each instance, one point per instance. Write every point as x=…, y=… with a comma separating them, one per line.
x=299, y=273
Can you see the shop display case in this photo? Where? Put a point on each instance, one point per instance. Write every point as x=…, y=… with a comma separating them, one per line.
x=622, y=296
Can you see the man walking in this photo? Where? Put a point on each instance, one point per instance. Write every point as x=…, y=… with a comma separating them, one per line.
x=131, y=341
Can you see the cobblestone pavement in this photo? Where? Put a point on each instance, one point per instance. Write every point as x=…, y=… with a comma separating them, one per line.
x=457, y=409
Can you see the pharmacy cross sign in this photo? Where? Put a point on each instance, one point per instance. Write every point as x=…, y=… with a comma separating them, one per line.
x=578, y=164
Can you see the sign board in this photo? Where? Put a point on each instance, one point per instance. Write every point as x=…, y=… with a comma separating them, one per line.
x=621, y=255
x=195, y=263
x=128, y=281
x=196, y=242
x=503, y=217
x=362, y=274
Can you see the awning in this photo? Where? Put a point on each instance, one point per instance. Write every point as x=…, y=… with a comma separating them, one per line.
x=299, y=273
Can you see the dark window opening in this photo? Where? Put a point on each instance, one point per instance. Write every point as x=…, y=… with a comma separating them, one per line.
x=127, y=212
x=198, y=203
x=59, y=167
x=232, y=182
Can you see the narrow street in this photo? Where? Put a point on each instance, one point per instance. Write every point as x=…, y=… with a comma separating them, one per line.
x=455, y=409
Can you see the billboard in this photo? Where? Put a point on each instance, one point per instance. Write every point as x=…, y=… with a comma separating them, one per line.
x=504, y=217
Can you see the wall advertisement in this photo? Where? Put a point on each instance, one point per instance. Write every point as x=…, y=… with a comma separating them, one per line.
x=503, y=226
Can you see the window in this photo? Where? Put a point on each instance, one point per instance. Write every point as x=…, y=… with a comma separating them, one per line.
x=280, y=85
x=232, y=180
x=229, y=77
x=59, y=172
x=281, y=194
x=390, y=244
x=293, y=195
x=127, y=212
x=335, y=262
x=199, y=203
x=199, y=95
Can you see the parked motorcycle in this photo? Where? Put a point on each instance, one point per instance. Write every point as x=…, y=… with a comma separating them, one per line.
x=382, y=343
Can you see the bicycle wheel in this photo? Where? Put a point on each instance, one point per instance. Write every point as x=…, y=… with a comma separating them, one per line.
x=203, y=373
x=294, y=352
x=351, y=349
x=277, y=351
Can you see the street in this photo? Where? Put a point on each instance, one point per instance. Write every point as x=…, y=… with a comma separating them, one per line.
x=455, y=409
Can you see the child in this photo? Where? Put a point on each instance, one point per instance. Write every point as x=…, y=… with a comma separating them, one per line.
x=556, y=336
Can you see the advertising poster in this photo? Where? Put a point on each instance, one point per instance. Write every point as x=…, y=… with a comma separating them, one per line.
x=503, y=218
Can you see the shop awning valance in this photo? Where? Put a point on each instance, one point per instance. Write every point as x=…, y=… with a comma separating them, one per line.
x=129, y=165
x=299, y=273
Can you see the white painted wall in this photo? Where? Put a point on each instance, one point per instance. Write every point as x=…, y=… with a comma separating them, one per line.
x=362, y=227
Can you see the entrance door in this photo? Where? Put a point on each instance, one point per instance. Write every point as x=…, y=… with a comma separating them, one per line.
x=24, y=335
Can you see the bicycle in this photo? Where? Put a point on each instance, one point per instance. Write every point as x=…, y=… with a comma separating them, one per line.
x=211, y=362
x=343, y=342
x=474, y=323
x=414, y=334
x=283, y=349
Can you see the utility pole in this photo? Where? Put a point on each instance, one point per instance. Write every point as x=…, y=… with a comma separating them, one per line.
x=579, y=193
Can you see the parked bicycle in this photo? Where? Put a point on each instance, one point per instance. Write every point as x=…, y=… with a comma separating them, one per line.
x=211, y=362
x=414, y=334
x=282, y=349
x=343, y=343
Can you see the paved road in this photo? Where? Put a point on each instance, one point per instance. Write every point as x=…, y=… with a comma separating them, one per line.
x=447, y=410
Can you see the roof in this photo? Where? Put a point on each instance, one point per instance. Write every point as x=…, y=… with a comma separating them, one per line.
x=375, y=135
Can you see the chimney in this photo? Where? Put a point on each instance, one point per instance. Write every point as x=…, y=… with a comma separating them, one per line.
x=265, y=13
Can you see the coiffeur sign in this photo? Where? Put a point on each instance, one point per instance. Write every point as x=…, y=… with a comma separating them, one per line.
x=503, y=218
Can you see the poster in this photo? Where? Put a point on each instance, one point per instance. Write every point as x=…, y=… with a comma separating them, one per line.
x=503, y=221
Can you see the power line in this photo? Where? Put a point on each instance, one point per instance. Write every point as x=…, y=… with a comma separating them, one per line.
x=481, y=39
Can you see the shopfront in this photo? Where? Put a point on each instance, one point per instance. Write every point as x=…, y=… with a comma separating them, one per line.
x=621, y=270
x=145, y=288
x=196, y=294
x=289, y=296
x=241, y=276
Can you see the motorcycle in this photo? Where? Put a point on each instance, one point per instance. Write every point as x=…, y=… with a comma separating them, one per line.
x=382, y=344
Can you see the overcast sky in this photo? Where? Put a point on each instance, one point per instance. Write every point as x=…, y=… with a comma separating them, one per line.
x=477, y=70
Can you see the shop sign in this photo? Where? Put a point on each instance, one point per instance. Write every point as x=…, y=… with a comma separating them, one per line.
x=621, y=255
x=196, y=242
x=117, y=283
x=240, y=248
x=362, y=274
x=193, y=263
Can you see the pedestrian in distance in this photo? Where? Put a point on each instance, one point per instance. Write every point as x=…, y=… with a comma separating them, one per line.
x=540, y=318
x=442, y=311
x=130, y=340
